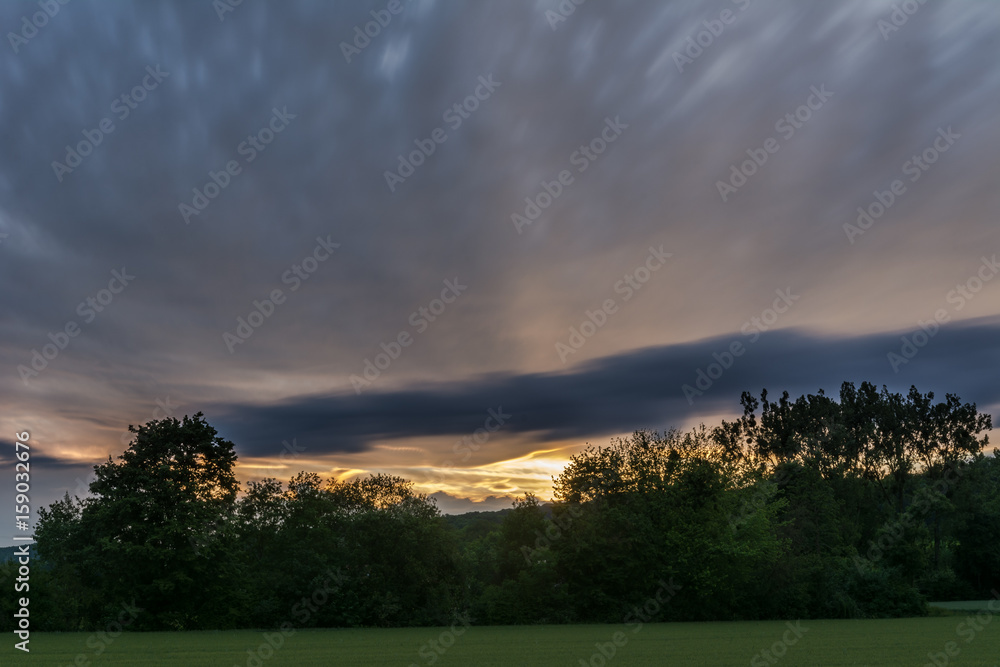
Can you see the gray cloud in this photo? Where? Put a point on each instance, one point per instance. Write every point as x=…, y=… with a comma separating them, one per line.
x=638, y=389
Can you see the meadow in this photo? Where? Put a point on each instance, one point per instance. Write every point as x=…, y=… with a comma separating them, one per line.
x=892, y=642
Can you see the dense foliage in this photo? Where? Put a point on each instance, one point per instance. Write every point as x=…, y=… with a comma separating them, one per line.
x=862, y=507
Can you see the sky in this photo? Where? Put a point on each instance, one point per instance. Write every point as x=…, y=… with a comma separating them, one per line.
x=457, y=242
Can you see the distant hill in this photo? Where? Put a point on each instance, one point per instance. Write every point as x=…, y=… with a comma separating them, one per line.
x=475, y=524
x=449, y=504
x=7, y=553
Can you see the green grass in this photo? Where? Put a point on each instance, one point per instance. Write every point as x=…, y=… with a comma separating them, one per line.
x=882, y=642
x=965, y=605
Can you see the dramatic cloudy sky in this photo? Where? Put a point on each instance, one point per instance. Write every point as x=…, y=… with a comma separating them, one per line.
x=681, y=117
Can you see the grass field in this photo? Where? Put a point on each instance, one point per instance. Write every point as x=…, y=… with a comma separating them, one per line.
x=965, y=605
x=882, y=642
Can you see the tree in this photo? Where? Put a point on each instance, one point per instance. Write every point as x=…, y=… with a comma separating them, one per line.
x=656, y=507
x=396, y=547
x=977, y=537
x=810, y=507
x=524, y=585
x=884, y=437
x=157, y=526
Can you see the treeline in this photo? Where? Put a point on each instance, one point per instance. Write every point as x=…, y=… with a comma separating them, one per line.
x=865, y=506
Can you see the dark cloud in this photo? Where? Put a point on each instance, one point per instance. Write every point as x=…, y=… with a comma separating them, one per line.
x=36, y=458
x=639, y=389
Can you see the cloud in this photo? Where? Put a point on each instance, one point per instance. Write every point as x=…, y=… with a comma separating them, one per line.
x=624, y=392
